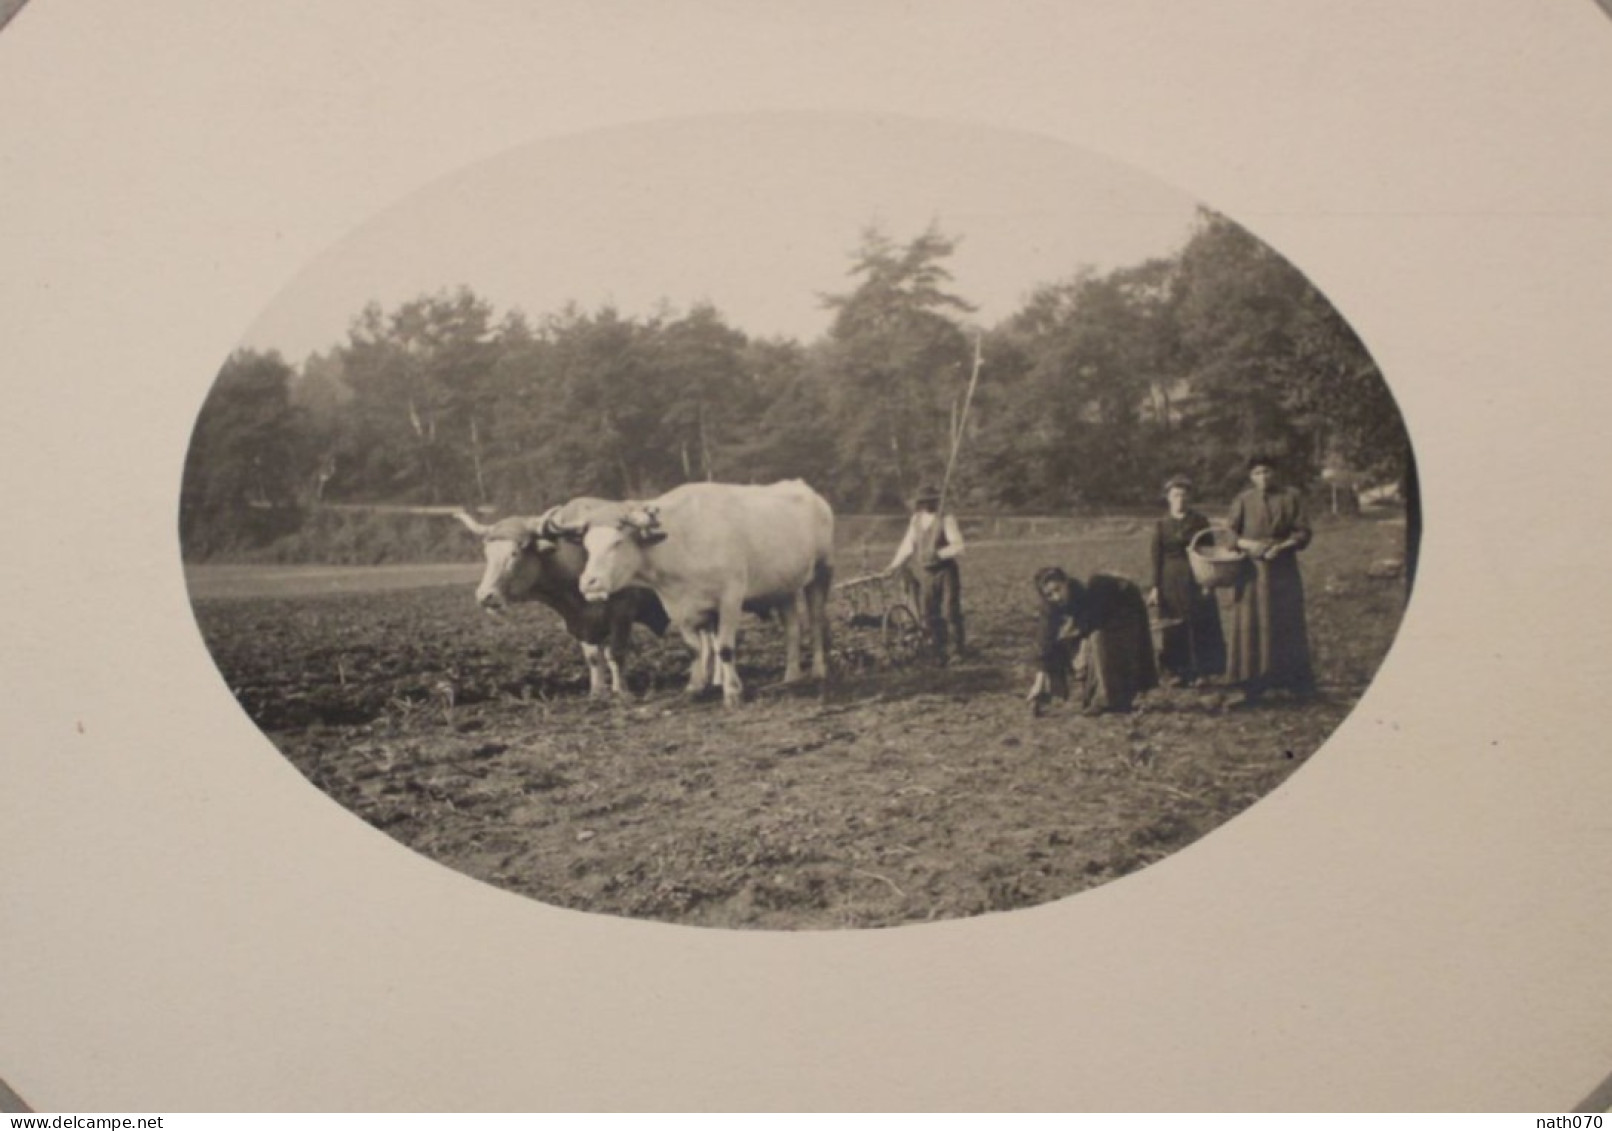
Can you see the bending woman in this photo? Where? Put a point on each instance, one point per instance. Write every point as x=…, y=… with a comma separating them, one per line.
x=1109, y=616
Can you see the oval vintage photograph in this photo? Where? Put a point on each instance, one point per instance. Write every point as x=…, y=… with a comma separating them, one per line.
x=799, y=521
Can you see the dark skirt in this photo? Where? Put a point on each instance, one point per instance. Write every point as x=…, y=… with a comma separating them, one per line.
x=1193, y=646
x=1270, y=646
x=1119, y=658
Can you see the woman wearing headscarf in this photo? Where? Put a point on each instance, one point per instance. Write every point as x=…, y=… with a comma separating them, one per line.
x=1108, y=615
x=1270, y=647
x=1192, y=646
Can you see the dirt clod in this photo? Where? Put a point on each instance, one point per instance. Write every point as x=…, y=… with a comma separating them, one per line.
x=893, y=795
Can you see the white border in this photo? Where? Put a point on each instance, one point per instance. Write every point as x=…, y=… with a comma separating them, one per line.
x=1418, y=921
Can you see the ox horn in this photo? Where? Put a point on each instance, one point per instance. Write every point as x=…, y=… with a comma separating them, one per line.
x=546, y=524
x=645, y=518
x=551, y=525
x=644, y=522
x=471, y=524
x=546, y=531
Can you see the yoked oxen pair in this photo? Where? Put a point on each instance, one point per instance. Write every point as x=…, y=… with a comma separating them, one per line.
x=529, y=559
x=713, y=550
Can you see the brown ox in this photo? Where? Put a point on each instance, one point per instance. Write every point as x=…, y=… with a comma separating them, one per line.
x=528, y=559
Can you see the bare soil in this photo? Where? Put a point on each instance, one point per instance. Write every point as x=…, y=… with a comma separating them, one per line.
x=898, y=793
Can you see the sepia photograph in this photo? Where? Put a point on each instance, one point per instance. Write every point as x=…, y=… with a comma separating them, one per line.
x=805, y=557
x=793, y=521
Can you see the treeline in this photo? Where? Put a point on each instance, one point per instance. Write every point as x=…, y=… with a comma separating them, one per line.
x=1092, y=393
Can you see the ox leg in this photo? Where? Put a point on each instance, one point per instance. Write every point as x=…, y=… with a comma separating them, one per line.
x=713, y=670
x=616, y=654
x=817, y=616
x=699, y=671
x=727, y=635
x=791, y=615
x=597, y=672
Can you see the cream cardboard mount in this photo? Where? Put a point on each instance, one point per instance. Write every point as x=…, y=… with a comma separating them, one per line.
x=1411, y=922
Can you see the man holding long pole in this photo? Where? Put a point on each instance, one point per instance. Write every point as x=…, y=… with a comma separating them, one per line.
x=934, y=542
x=929, y=553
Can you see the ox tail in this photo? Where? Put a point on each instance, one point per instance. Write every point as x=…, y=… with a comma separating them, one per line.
x=822, y=575
x=820, y=586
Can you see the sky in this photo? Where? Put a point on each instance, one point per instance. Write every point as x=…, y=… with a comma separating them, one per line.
x=758, y=214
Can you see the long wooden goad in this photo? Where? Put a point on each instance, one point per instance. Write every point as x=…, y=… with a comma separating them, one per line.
x=957, y=431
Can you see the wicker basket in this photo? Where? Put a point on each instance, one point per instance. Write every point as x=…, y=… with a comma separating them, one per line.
x=1215, y=559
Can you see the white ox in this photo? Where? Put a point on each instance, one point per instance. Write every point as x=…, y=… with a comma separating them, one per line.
x=711, y=550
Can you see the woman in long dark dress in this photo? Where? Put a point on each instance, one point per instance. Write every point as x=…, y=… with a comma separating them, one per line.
x=1270, y=645
x=1192, y=645
x=1109, y=615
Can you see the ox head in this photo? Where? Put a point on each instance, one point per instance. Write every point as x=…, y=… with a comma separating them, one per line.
x=517, y=552
x=616, y=551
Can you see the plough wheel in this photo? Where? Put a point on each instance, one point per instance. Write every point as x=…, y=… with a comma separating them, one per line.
x=905, y=640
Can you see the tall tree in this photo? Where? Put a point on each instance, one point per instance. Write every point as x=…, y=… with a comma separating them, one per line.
x=599, y=403
x=246, y=452
x=898, y=358
x=1094, y=353
x=1272, y=364
x=1003, y=462
x=322, y=395
x=579, y=409
x=787, y=432
x=699, y=362
x=418, y=377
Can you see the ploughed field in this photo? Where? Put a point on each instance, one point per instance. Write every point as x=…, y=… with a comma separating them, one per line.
x=902, y=793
